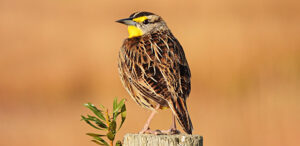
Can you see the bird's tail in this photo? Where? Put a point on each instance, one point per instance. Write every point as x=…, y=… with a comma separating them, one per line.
x=179, y=109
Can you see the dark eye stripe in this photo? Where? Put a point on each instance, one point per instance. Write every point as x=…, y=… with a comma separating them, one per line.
x=151, y=22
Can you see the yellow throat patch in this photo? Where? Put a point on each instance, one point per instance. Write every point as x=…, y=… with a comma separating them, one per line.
x=133, y=30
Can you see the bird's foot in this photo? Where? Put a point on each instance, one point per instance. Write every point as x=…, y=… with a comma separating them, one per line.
x=171, y=131
x=158, y=132
x=148, y=131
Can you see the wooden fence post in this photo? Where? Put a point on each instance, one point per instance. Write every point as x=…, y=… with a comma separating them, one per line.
x=162, y=140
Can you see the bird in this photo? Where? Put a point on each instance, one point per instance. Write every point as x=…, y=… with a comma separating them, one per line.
x=154, y=70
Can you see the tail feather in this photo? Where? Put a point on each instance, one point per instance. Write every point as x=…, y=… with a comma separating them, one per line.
x=179, y=109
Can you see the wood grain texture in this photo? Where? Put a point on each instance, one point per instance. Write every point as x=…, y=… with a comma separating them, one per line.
x=162, y=140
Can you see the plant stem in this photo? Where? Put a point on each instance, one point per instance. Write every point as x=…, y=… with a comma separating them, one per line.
x=111, y=143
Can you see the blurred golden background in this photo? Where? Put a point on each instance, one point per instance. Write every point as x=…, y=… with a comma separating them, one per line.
x=244, y=56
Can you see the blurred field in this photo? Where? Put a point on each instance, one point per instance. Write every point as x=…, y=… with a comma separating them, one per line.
x=244, y=56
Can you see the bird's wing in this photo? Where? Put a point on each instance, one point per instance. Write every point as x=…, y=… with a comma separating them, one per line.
x=177, y=75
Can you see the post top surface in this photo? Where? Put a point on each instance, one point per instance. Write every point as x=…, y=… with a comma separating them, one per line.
x=164, y=135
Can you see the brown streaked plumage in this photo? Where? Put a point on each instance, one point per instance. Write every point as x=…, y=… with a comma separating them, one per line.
x=153, y=68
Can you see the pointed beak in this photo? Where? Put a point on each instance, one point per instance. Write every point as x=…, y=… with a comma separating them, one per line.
x=126, y=21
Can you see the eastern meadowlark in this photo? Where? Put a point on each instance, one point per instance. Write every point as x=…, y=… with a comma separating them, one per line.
x=154, y=70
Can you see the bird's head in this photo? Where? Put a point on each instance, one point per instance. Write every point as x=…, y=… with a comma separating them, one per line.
x=140, y=23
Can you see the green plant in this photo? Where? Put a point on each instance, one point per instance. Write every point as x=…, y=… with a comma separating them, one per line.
x=105, y=121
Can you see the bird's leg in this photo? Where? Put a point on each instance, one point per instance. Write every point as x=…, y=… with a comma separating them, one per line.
x=173, y=129
x=146, y=128
x=173, y=126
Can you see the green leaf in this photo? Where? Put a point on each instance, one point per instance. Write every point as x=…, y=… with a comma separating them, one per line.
x=118, y=143
x=119, y=112
x=122, y=112
x=97, y=142
x=88, y=122
x=94, y=135
x=95, y=110
x=115, y=104
x=102, y=107
x=119, y=106
x=97, y=121
x=123, y=115
x=101, y=141
x=110, y=136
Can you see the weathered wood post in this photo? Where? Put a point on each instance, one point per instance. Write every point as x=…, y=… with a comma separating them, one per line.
x=162, y=140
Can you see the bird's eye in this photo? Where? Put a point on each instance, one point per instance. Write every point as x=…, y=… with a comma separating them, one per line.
x=146, y=21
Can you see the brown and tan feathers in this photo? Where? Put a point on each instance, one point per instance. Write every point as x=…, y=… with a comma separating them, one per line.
x=154, y=70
